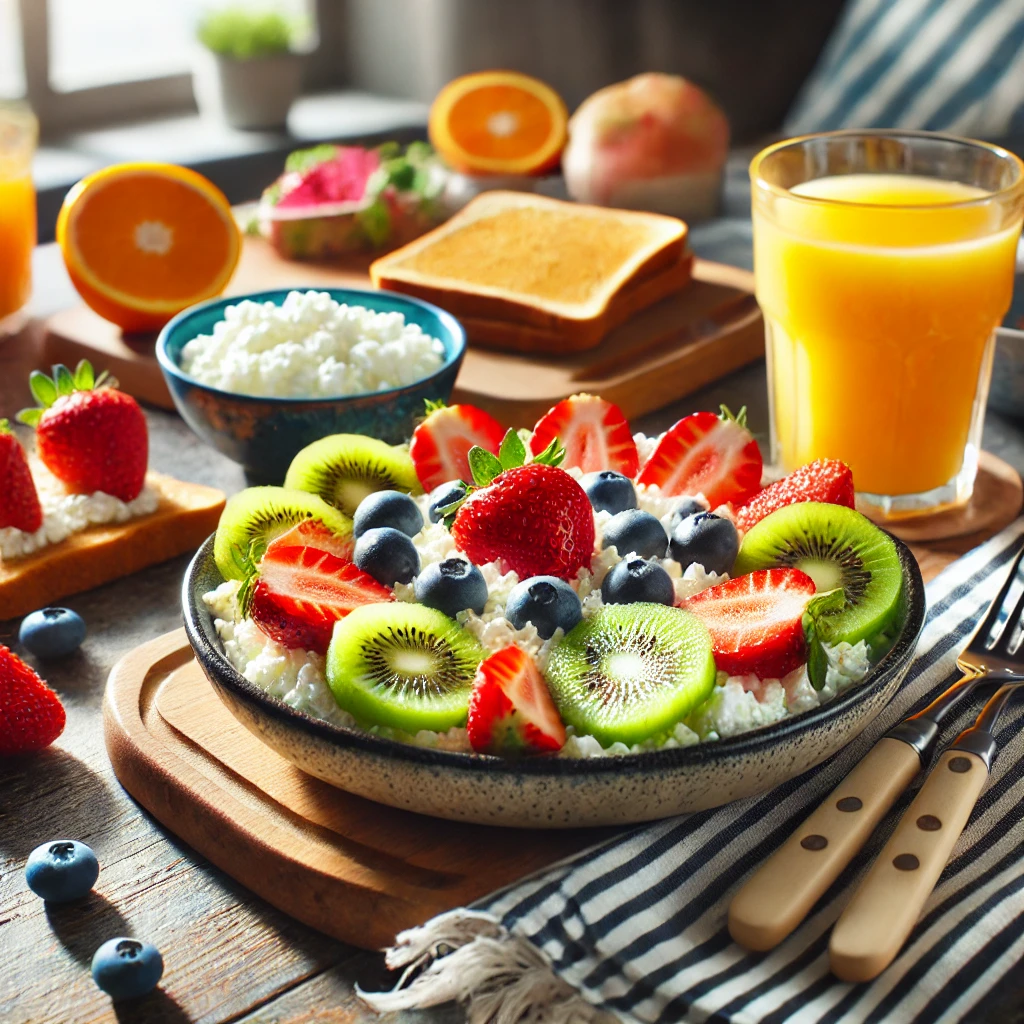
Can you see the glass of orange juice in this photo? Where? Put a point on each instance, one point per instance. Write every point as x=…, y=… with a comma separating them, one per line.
x=18, y=134
x=884, y=261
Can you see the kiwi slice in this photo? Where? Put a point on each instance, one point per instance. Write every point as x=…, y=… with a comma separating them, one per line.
x=403, y=665
x=344, y=468
x=631, y=671
x=260, y=514
x=840, y=550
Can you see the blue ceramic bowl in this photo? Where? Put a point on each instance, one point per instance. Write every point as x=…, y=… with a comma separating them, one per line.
x=264, y=434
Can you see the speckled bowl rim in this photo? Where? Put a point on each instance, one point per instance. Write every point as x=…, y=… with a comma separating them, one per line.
x=352, y=296
x=214, y=662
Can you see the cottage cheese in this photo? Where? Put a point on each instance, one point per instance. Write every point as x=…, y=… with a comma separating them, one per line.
x=66, y=514
x=310, y=347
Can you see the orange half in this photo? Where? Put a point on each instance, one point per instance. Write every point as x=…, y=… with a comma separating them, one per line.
x=143, y=241
x=498, y=122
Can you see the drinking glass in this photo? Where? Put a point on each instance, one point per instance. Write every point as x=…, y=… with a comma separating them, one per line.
x=18, y=135
x=884, y=261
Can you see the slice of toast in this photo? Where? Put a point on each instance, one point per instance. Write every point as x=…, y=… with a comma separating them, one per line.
x=517, y=337
x=548, y=264
x=186, y=516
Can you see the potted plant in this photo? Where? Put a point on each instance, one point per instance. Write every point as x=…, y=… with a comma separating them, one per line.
x=248, y=71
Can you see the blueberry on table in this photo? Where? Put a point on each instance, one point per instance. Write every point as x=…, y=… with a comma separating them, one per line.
x=442, y=495
x=452, y=586
x=388, y=508
x=388, y=555
x=636, y=531
x=686, y=508
x=61, y=870
x=706, y=539
x=546, y=601
x=126, y=968
x=52, y=633
x=636, y=579
x=609, y=491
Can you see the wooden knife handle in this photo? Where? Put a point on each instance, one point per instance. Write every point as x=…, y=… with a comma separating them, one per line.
x=782, y=891
x=888, y=903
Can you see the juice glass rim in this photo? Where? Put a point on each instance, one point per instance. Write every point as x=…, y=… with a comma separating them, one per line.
x=1016, y=187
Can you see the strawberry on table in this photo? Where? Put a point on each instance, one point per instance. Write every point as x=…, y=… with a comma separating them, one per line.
x=297, y=594
x=441, y=442
x=19, y=501
x=89, y=435
x=510, y=708
x=825, y=480
x=756, y=621
x=593, y=432
x=31, y=714
x=706, y=454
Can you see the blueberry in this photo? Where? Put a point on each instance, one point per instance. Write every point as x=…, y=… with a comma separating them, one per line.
x=609, y=491
x=127, y=968
x=636, y=579
x=686, y=508
x=387, y=508
x=635, y=530
x=61, y=870
x=444, y=494
x=388, y=555
x=707, y=539
x=52, y=632
x=452, y=586
x=547, y=602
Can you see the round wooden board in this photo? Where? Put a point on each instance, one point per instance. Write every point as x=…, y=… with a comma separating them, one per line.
x=995, y=503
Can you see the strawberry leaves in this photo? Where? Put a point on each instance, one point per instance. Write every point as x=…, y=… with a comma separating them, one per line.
x=46, y=390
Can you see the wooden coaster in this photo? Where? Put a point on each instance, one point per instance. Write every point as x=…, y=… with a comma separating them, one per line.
x=353, y=869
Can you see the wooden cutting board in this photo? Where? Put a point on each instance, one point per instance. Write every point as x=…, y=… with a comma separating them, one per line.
x=669, y=350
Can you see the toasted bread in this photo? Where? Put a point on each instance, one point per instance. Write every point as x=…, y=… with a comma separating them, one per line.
x=186, y=516
x=543, y=263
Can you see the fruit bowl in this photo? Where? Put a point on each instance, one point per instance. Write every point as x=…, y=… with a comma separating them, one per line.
x=265, y=433
x=550, y=792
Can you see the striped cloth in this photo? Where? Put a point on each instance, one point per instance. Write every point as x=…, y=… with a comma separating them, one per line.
x=637, y=926
x=944, y=65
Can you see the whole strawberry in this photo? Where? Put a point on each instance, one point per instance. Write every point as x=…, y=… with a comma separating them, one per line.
x=31, y=714
x=825, y=480
x=89, y=435
x=536, y=518
x=19, y=501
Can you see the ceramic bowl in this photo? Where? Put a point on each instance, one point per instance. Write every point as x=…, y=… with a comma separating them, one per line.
x=264, y=434
x=549, y=792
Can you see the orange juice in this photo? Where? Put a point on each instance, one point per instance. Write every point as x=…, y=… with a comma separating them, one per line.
x=17, y=239
x=879, y=307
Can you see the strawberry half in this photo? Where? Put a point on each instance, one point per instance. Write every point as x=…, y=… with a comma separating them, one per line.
x=510, y=708
x=825, y=480
x=311, y=533
x=756, y=621
x=706, y=454
x=31, y=714
x=301, y=592
x=593, y=432
x=441, y=443
x=19, y=500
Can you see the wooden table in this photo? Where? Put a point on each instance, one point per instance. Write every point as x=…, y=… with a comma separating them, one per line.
x=230, y=957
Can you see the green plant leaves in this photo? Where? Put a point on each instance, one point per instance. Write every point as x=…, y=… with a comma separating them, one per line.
x=483, y=465
x=512, y=451
x=43, y=389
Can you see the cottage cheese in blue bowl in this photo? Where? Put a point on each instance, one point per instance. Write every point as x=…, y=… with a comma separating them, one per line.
x=260, y=376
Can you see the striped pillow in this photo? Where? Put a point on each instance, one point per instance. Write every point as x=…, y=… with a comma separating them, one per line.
x=943, y=65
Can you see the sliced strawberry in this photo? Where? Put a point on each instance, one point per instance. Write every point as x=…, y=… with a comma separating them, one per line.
x=706, y=454
x=19, y=500
x=826, y=480
x=756, y=621
x=301, y=593
x=593, y=432
x=440, y=444
x=311, y=533
x=510, y=708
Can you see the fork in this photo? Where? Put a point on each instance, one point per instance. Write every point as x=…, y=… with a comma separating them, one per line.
x=779, y=895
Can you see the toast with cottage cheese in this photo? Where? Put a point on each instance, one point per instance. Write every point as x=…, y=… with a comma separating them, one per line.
x=567, y=270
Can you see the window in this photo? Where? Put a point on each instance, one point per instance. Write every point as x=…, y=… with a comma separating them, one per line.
x=12, y=72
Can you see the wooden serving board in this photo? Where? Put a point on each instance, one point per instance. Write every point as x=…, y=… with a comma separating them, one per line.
x=669, y=350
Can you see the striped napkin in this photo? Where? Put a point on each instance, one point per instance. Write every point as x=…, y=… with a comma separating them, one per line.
x=635, y=928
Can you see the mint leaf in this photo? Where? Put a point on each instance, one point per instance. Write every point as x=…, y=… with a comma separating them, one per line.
x=485, y=467
x=817, y=615
x=512, y=452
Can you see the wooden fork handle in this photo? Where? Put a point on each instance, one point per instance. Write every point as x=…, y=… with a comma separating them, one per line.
x=782, y=891
x=888, y=903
